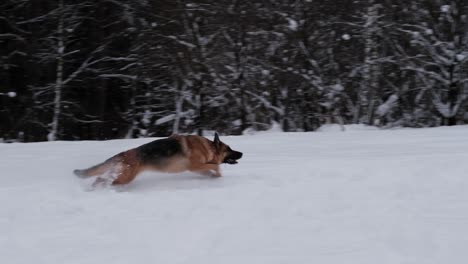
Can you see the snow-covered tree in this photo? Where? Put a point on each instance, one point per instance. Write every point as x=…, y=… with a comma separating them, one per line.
x=122, y=68
x=439, y=36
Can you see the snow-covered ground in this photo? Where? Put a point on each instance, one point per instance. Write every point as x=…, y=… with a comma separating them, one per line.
x=360, y=196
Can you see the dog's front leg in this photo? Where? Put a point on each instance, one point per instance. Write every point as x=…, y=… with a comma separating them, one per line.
x=208, y=169
x=209, y=173
x=215, y=172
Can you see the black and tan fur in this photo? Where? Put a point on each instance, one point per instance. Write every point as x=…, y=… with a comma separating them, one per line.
x=174, y=154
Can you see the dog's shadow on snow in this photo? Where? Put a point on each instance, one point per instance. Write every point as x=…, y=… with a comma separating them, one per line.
x=151, y=181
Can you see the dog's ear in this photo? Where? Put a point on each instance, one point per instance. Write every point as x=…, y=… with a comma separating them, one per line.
x=216, y=140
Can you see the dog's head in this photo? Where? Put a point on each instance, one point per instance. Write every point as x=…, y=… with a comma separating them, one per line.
x=226, y=154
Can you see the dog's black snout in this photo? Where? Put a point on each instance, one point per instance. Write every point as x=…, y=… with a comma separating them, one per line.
x=237, y=155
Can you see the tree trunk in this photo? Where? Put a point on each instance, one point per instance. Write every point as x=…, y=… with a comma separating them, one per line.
x=53, y=133
x=371, y=67
x=178, y=109
x=132, y=110
x=200, y=115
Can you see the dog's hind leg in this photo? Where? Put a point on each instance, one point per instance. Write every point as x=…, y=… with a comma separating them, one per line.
x=128, y=168
x=95, y=170
x=108, y=176
x=125, y=176
x=101, y=168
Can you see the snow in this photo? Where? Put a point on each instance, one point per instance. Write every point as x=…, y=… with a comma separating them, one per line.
x=11, y=94
x=360, y=196
x=292, y=24
x=461, y=57
x=165, y=119
x=265, y=72
x=337, y=87
x=349, y=128
x=384, y=108
x=445, y=109
x=445, y=8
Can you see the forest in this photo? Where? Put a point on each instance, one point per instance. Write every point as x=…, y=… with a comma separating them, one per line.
x=105, y=69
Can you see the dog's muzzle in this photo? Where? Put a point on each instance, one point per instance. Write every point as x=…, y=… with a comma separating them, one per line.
x=232, y=157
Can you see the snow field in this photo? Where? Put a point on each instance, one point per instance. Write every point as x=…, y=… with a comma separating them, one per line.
x=359, y=196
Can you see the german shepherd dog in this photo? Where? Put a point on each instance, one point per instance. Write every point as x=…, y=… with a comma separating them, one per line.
x=174, y=154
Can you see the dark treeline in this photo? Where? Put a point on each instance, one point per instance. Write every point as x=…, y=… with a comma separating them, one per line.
x=101, y=69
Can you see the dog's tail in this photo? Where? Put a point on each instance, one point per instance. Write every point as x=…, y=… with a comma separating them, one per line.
x=100, y=168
